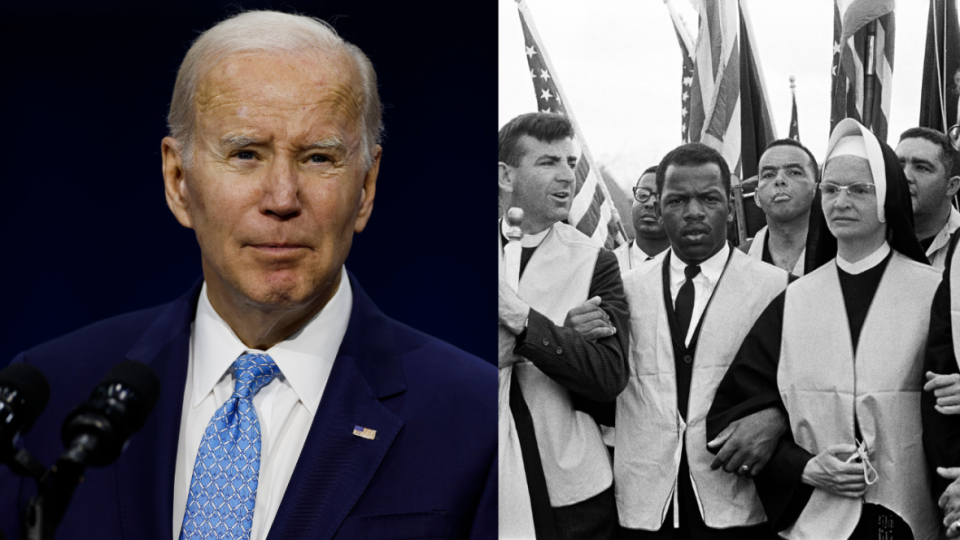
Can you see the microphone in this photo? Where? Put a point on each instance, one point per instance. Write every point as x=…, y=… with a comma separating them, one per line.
x=97, y=431
x=24, y=393
x=95, y=434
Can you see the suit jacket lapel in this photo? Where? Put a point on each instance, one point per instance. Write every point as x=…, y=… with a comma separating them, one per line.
x=335, y=466
x=145, y=471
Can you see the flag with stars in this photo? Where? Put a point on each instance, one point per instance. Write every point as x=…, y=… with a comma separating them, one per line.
x=863, y=37
x=686, y=50
x=715, y=91
x=592, y=211
x=756, y=122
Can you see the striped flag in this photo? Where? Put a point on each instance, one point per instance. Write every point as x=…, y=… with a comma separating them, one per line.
x=715, y=92
x=863, y=37
x=756, y=122
x=941, y=71
x=794, y=125
x=592, y=211
x=686, y=49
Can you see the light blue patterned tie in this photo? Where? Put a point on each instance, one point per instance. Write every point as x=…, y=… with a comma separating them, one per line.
x=223, y=491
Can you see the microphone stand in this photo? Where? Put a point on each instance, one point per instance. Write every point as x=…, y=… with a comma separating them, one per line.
x=55, y=490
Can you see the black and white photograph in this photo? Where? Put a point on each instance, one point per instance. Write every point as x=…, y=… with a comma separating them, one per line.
x=728, y=232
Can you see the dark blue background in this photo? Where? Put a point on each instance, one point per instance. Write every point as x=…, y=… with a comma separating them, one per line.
x=85, y=90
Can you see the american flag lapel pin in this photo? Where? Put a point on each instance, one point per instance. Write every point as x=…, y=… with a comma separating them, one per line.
x=364, y=432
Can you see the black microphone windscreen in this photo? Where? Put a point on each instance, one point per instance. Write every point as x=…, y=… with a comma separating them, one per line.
x=32, y=384
x=140, y=378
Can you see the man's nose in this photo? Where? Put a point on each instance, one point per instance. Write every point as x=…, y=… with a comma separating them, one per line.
x=280, y=190
x=566, y=174
x=694, y=210
x=781, y=179
x=909, y=173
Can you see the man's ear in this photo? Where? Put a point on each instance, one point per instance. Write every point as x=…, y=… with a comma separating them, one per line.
x=368, y=191
x=731, y=200
x=953, y=185
x=174, y=180
x=505, y=177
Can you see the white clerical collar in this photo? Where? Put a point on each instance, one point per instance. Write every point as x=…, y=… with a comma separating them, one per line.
x=711, y=268
x=528, y=240
x=865, y=263
x=305, y=358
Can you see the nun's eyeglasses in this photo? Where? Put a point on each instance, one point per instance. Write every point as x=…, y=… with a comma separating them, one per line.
x=858, y=190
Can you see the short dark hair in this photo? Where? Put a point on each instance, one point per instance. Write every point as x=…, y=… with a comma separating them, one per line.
x=649, y=170
x=949, y=157
x=796, y=144
x=545, y=127
x=693, y=154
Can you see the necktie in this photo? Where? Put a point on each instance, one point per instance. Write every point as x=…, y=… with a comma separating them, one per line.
x=683, y=306
x=223, y=490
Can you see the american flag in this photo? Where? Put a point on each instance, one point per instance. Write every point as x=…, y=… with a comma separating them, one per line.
x=365, y=432
x=863, y=36
x=756, y=122
x=715, y=92
x=686, y=48
x=592, y=211
x=941, y=71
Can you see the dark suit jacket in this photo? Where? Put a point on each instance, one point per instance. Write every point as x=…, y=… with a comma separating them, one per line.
x=430, y=473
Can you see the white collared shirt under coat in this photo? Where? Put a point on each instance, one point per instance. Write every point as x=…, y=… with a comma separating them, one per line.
x=704, y=283
x=285, y=407
x=937, y=252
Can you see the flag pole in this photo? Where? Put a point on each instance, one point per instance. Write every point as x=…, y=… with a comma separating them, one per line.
x=869, y=76
x=528, y=17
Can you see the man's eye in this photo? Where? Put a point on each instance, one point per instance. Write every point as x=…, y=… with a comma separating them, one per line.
x=246, y=154
x=319, y=158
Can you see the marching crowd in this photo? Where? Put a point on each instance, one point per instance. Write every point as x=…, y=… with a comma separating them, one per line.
x=802, y=385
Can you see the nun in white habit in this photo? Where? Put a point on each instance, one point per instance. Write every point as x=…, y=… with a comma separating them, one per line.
x=840, y=353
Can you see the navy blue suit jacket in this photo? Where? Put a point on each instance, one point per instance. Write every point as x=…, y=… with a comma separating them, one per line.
x=430, y=473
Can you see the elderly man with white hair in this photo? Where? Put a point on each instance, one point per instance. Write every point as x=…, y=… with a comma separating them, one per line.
x=290, y=406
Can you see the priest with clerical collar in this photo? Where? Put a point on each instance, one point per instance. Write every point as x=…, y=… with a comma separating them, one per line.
x=840, y=353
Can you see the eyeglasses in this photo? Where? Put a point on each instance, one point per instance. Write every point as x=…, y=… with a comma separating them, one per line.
x=858, y=190
x=642, y=195
x=954, y=134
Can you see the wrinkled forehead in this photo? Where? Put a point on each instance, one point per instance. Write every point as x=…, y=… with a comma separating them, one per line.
x=533, y=148
x=246, y=81
x=847, y=169
x=784, y=155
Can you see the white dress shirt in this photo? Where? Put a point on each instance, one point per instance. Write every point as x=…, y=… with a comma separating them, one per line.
x=285, y=407
x=865, y=263
x=937, y=252
x=631, y=256
x=703, y=283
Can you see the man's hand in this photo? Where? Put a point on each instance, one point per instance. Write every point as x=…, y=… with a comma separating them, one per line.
x=747, y=444
x=829, y=471
x=590, y=321
x=947, y=390
x=513, y=311
x=950, y=501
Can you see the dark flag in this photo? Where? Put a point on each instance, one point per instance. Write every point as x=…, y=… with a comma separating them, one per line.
x=756, y=124
x=941, y=67
x=863, y=37
x=592, y=211
x=794, y=126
